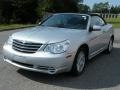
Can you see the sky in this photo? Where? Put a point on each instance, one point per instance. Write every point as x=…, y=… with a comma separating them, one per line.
x=91, y=2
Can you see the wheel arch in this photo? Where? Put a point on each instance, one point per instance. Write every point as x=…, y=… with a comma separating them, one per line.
x=85, y=47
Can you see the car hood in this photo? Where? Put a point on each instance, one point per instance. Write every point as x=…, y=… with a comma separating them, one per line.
x=41, y=34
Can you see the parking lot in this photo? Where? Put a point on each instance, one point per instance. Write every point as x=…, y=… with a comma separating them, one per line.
x=102, y=72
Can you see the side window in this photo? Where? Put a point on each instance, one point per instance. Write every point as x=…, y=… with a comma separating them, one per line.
x=101, y=21
x=96, y=20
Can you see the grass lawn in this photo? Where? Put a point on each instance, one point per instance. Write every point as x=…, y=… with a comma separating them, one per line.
x=13, y=26
x=114, y=21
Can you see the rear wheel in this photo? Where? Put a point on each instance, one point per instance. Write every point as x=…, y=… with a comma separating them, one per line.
x=110, y=46
x=79, y=63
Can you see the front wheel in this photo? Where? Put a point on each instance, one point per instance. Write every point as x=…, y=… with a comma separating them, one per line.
x=79, y=63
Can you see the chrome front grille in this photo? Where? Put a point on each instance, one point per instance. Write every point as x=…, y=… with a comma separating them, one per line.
x=25, y=46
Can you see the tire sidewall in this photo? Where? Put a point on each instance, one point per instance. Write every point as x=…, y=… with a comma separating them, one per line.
x=110, y=48
x=74, y=67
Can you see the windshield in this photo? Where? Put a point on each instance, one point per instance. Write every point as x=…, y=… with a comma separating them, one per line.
x=71, y=21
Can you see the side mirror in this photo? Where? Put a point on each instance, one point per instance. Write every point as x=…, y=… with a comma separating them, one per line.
x=95, y=28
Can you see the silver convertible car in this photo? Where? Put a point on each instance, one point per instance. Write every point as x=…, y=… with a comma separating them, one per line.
x=62, y=42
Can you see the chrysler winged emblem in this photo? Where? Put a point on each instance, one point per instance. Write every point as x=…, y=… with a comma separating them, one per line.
x=23, y=42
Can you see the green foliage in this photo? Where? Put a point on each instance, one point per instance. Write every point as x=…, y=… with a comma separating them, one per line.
x=57, y=6
x=6, y=10
x=101, y=7
x=62, y=6
x=81, y=1
x=18, y=11
x=115, y=9
x=105, y=8
x=84, y=8
x=28, y=11
x=0, y=11
x=14, y=26
x=24, y=11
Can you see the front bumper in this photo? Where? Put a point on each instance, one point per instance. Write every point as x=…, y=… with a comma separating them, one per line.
x=40, y=61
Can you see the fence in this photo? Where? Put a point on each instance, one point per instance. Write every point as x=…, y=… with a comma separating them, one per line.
x=110, y=15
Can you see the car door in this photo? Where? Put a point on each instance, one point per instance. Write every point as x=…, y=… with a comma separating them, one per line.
x=104, y=30
x=97, y=37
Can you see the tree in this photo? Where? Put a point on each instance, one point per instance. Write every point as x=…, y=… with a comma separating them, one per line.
x=84, y=8
x=24, y=10
x=81, y=1
x=6, y=10
x=101, y=7
x=62, y=6
x=28, y=11
x=115, y=9
x=18, y=11
x=56, y=6
x=0, y=11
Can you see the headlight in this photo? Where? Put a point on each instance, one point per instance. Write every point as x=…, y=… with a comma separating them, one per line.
x=10, y=40
x=58, y=48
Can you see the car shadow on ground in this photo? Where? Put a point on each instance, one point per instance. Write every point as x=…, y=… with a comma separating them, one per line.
x=103, y=71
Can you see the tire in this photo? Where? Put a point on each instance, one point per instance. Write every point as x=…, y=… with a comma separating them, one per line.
x=79, y=62
x=110, y=46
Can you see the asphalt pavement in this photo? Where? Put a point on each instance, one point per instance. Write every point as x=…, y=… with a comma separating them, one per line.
x=102, y=72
